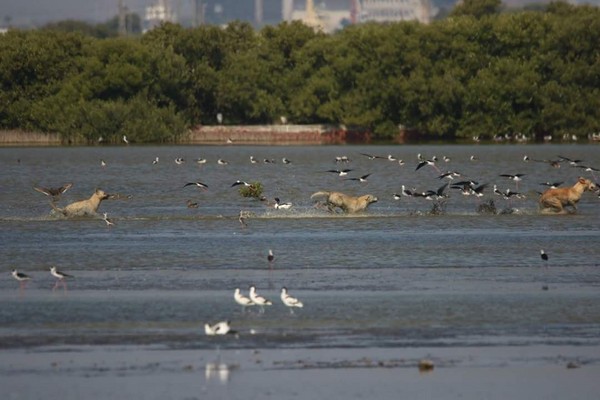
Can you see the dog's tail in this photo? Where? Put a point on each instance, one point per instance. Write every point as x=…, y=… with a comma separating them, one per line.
x=317, y=194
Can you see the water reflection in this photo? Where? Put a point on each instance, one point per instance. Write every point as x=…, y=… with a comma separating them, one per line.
x=217, y=371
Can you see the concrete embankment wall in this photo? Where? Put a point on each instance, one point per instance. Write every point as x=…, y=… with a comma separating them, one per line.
x=15, y=138
x=240, y=134
x=276, y=134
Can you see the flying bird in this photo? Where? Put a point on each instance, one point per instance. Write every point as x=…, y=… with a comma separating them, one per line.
x=427, y=162
x=53, y=192
x=198, y=184
x=238, y=182
x=360, y=179
x=342, y=172
x=372, y=157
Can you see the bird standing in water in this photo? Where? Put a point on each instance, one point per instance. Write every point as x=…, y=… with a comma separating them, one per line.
x=21, y=277
x=60, y=278
x=270, y=257
x=544, y=258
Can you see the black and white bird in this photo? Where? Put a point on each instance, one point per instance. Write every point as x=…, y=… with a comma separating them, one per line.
x=290, y=301
x=198, y=184
x=478, y=190
x=108, y=221
x=407, y=192
x=497, y=191
x=281, y=206
x=285, y=161
x=342, y=159
x=53, y=192
x=361, y=179
x=372, y=157
x=258, y=299
x=431, y=163
x=238, y=182
x=435, y=194
x=449, y=175
x=125, y=139
x=220, y=328
x=589, y=169
x=155, y=161
x=342, y=172
x=253, y=160
x=552, y=185
x=516, y=178
x=241, y=299
x=21, y=277
x=571, y=162
x=270, y=256
x=544, y=257
x=509, y=194
x=220, y=161
x=60, y=277
x=201, y=161
x=179, y=160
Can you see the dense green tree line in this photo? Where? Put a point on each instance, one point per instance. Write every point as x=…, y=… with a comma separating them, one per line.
x=477, y=72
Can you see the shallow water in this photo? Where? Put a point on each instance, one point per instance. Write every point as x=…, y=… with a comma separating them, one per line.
x=393, y=276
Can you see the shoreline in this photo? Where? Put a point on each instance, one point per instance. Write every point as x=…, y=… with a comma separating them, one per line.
x=138, y=372
x=274, y=135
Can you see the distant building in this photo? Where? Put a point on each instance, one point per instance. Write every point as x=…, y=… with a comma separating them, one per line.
x=395, y=10
x=158, y=13
x=334, y=14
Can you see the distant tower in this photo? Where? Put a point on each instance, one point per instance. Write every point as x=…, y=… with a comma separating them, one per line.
x=311, y=18
x=353, y=11
x=287, y=8
x=258, y=12
x=122, y=19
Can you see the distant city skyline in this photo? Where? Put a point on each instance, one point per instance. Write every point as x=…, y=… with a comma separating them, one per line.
x=34, y=12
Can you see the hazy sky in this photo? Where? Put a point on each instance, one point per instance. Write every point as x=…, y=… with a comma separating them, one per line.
x=31, y=11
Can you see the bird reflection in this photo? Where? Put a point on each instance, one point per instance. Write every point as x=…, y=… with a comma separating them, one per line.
x=217, y=371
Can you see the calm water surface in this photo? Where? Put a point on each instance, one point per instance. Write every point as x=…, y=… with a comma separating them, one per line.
x=393, y=276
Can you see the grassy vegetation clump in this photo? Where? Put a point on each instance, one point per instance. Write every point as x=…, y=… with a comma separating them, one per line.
x=254, y=190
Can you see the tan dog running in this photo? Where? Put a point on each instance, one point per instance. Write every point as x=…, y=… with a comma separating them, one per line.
x=347, y=203
x=553, y=201
x=83, y=208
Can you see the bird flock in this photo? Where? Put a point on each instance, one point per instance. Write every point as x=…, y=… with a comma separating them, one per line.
x=450, y=179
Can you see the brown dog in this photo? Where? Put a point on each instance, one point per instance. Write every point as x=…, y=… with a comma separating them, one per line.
x=349, y=204
x=553, y=201
x=83, y=208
